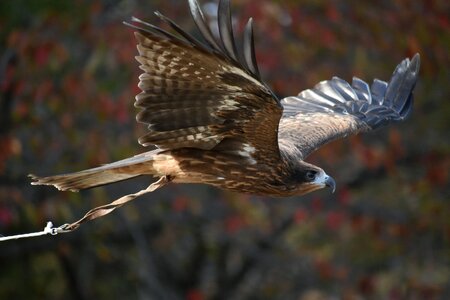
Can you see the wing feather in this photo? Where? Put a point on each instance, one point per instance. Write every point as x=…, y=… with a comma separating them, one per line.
x=201, y=23
x=334, y=108
x=378, y=89
x=200, y=95
x=249, y=49
x=186, y=36
x=226, y=29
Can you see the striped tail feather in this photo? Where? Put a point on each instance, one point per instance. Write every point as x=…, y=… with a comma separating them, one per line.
x=109, y=173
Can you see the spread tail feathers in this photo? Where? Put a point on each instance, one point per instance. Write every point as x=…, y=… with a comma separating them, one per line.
x=113, y=172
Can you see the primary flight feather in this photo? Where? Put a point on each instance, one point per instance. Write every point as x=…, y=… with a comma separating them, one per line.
x=214, y=121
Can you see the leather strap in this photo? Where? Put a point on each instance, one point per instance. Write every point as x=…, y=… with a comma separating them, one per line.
x=103, y=210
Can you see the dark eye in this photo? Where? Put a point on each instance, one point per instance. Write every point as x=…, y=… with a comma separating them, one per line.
x=310, y=175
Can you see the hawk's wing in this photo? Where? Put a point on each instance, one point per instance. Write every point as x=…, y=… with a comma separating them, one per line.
x=198, y=95
x=335, y=109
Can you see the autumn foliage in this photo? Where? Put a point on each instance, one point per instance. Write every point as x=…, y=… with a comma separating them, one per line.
x=67, y=83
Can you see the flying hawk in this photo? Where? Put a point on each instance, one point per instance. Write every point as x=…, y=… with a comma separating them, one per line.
x=213, y=120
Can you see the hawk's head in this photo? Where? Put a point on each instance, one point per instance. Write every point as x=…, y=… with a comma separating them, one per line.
x=305, y=178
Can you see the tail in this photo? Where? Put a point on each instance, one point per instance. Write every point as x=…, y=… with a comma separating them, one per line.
x=113, y=172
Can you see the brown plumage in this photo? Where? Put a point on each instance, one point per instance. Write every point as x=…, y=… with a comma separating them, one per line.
x=214, y=121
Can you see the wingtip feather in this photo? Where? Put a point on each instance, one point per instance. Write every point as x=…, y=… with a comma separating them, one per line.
x=200, y=21
x=226, y=29
x=415, y=64
x=249, y=48
x=402, y=83
x=377, y=106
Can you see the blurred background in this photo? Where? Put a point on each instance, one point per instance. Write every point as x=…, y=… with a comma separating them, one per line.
x=67, y=84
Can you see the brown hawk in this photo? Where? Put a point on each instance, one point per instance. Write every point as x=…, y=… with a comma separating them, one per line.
x=214, y=121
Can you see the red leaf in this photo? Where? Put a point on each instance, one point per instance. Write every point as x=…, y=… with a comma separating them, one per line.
x=335, y=219
x=332, y=13
x=180, y=204
x=194, y=294
x=300, y=215
x=317, y=205
x=5, y=216
x=234, y=223
x=42, y=54
x=344, y=196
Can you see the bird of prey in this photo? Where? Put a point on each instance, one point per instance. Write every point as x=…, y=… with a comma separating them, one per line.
x=213, y=120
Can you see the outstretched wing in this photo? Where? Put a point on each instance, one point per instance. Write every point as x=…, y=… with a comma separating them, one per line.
x=200, y=95
x=335, y=109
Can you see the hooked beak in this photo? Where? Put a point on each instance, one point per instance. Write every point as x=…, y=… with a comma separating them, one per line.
x=329, y=182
